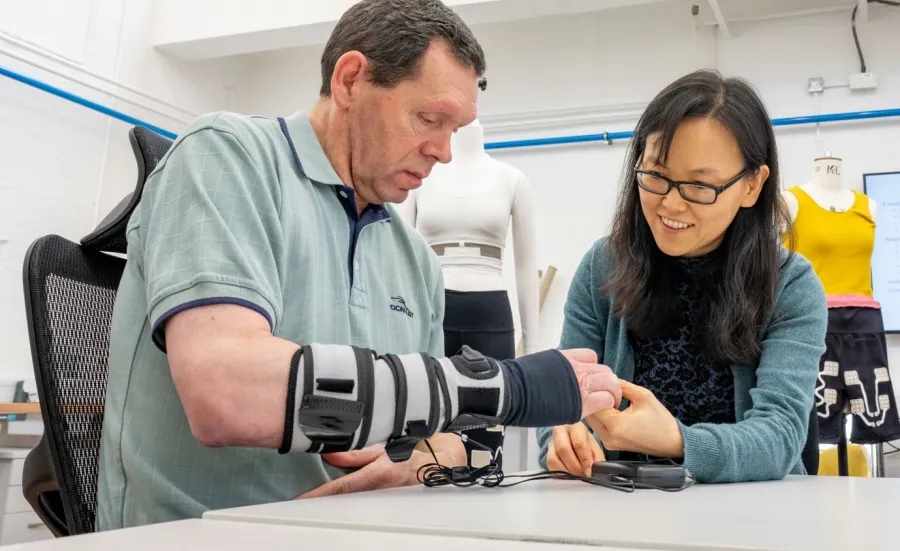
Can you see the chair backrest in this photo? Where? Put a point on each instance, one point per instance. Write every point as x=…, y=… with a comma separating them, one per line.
x=70, y=297
x=109, y=235
x=70, y=291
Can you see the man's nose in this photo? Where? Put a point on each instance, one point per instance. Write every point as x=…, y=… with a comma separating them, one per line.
x=439, y=148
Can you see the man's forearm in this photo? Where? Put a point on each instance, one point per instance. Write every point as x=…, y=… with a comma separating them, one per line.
x=241, y=386
x=342, y=397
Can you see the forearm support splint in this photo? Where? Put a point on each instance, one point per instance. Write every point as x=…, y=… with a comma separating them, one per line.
x=343, y=397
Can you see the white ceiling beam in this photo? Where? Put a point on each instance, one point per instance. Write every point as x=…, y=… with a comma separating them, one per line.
x=183, y=28
x=720, y=17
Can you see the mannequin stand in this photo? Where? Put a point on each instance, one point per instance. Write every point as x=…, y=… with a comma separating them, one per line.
x=877, y=458
x=843, y=466
x=876, y=455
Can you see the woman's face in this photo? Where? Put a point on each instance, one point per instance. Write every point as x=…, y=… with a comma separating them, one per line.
x=704, y=151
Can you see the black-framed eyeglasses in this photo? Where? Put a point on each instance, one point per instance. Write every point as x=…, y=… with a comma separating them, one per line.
x=695, y=192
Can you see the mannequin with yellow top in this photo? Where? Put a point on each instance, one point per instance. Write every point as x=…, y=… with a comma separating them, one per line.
x=834, y=228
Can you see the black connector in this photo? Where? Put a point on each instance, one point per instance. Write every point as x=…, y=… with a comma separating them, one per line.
x=460, y=474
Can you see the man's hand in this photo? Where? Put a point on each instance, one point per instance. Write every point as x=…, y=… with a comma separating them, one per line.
x=573, y=450
x=646, y=426
x=600, y=388
x=378, y=471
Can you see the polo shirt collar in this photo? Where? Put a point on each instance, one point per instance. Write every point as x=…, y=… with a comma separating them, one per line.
x=308, y=151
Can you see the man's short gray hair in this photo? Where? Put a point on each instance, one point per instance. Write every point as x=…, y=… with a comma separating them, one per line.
x=394, y=35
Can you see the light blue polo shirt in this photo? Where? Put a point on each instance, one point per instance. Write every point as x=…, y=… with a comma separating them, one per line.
x=249, y=211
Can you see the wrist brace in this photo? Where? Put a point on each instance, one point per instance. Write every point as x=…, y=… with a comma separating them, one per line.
x=342, y=397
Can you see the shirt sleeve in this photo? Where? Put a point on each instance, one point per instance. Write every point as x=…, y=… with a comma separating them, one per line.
x=210, y=230
x=767, y=443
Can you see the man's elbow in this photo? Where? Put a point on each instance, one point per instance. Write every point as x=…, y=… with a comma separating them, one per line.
x=202, y=404
x=207, y=431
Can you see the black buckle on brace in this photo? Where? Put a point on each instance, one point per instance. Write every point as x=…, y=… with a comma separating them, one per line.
x=329, y=423
x=471, y=421
x=399, y=449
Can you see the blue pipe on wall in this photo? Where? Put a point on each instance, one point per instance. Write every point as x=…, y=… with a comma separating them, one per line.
x=608, y=137
x=561, y=140
x=84, y=102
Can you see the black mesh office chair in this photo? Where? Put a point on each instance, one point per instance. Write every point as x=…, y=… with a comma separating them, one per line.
x=70, y=290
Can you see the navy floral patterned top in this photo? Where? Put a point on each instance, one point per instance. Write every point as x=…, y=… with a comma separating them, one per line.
x=693, y=388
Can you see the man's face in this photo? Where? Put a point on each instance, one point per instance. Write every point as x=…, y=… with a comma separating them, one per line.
x=398, y=134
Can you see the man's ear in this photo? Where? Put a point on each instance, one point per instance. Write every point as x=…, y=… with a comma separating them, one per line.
x=349, y=71
x=756, y=185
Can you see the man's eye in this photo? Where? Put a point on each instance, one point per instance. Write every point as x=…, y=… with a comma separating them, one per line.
x=428, y=120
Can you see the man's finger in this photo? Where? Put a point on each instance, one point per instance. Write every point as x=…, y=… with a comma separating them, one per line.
x=601, y=378
x=355, y=458
x=597, y=401
x=584, y=355
x=360, y=481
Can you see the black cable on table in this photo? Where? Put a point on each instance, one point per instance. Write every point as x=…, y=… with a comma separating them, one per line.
x=434, y=475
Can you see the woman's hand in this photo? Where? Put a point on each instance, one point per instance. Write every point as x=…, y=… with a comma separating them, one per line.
x=646, y=426
x=573, y=450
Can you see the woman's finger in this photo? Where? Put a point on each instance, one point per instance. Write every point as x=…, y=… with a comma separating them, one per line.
x=581, y=438
x=553, y=462
x=564, y=450
x=597, y=450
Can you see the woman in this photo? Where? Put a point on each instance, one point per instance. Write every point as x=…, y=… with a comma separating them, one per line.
x=715, y=330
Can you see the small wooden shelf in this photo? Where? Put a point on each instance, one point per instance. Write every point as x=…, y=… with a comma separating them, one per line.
x=20, y=408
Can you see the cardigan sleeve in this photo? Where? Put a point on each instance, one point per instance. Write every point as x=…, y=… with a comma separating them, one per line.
x=582, y=326
x=767, y=443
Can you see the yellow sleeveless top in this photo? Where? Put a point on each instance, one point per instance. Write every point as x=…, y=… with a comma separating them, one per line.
x=837, y=244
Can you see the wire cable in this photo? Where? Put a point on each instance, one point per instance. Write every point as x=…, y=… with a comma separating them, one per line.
x=862, y=60
x=434, y=475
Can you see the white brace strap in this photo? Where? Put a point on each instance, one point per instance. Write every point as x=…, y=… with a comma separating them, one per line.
x=343, y=397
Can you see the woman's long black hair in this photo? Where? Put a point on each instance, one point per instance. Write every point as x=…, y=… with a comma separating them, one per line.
x=740, y=284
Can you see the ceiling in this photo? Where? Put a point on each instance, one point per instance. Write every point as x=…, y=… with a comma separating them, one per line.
x=744, y=10
x=205, y=38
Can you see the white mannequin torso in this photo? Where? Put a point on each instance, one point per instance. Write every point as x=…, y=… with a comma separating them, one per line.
x=472, y=201
x=826, y=188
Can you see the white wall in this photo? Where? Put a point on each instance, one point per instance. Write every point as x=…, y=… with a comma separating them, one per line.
x=62, y=166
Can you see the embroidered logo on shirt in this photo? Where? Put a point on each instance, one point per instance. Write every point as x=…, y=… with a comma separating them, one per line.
x=399, y=305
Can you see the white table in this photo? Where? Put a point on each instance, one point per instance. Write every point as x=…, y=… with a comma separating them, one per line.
x=796, y=514
x=189, y=535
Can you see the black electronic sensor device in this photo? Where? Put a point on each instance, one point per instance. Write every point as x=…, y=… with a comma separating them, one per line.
x=642, y=474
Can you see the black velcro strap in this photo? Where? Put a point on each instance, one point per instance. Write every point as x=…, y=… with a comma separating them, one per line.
x=330, y=423
x=338, y=386
x=365, y=374
x=308, y=378
x=434, y=412
x=400, y=391
x=434, y=365
x=288, y=438
x=480, y=401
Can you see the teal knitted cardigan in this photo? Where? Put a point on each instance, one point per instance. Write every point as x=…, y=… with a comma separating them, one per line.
x=772, y=400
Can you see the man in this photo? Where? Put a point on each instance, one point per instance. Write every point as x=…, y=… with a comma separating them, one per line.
x=256, y=238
